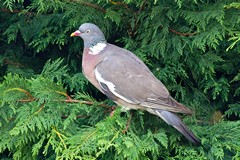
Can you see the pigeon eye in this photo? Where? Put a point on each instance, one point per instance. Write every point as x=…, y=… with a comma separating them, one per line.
x=88, y=31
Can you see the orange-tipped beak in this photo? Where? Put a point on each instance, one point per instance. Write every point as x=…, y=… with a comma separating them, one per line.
x=76, y=33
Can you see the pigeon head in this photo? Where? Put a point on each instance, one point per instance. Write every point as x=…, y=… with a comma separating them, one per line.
x=90, y=33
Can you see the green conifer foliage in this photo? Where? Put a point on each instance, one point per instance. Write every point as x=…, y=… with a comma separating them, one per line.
x=48, y=110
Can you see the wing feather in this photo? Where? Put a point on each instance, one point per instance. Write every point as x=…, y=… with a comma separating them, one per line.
x=129, y=79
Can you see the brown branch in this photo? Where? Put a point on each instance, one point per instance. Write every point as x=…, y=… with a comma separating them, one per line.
x=112, y=110
x=86, y=102
x=90, y=5
x=128, y=123
x=121, y=4
x=30, y=96
x=142, y=6
x=65, y=94
x=117, y=3
x=9, y=62
x=26, y=100
x=94, y=6
x=40, y=109
x=64, y=116
x=131, y=31
x=68, y=100
x=182, y=34
x=15, y=11
x=10, y=11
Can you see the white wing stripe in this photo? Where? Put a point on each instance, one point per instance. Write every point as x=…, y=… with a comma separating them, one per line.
x=110, y=86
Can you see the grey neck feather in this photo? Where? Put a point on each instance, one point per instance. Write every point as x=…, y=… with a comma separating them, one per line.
x=92, y=43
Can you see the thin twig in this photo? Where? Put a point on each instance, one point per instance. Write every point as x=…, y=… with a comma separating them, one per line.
x=41, y=108
x=128, y=123
x=60, y=136
x=182, y=34
x=142, y=6
x=79, y=116
x=85, y=102
x=94, y=6
x=26, y=100
x=68, y=100
x=15, y=11
x=122, y=4
x=90, y=5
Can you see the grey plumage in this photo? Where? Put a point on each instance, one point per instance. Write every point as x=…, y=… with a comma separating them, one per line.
x=125, y=79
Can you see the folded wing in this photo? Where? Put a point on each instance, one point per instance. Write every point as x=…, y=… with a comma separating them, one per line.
x=125, y=77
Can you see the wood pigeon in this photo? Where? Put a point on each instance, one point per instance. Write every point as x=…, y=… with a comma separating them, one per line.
x=124, y=78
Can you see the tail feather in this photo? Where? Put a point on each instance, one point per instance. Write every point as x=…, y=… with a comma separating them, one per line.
x=172, y=119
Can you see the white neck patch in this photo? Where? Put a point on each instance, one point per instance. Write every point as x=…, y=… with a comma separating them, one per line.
x=97, y=48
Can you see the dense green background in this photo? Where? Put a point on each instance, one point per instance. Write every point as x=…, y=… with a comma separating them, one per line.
x=48, y=110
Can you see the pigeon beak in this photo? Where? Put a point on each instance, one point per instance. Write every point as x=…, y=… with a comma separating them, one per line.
x=76, y=33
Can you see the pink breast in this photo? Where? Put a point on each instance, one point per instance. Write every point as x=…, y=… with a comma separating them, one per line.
x=89, y=63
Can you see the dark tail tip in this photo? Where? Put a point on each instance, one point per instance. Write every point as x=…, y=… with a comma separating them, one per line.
x=188, y=134
x=176, y=122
